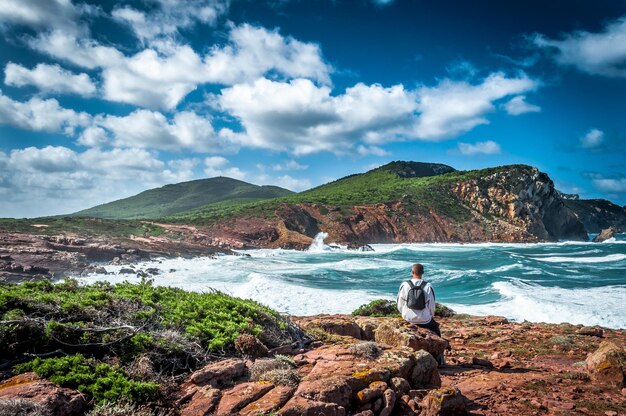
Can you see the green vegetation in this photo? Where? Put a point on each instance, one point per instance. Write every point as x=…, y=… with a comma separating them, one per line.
x=378, y=307
x=139, y=317
x=185, y=196
x=98, y=380
x=111, y=336
x=385, y=307
x=94, y=227
x=417, y=186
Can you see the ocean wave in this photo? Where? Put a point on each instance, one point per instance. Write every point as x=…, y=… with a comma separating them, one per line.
x=575, y=259
x=525, y=302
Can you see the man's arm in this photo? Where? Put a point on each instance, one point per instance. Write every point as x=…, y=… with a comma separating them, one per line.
x=401, y=299
x=431, y=300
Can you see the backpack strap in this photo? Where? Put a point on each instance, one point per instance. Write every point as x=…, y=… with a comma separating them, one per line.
x=411, y=285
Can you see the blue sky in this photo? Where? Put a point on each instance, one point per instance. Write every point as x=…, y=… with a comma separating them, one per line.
x=101, y=100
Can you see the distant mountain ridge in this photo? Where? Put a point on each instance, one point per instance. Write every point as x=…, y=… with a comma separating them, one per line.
x=181, y=197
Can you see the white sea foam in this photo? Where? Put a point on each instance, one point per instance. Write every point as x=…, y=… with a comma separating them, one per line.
x=589, y=306
x=339, y=280
x=575, y=259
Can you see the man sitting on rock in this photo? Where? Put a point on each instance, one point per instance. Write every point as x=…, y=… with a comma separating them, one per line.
x=416, y=303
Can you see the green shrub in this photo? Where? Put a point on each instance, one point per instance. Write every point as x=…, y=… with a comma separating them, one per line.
x=174, y=327
x=100, y=381
x=378, y=307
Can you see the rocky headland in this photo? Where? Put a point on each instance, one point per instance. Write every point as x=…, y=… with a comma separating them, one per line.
x=381, y=366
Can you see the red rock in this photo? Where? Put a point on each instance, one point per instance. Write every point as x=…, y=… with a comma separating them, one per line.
x=496, y=320
x=425, y=373
x=397, y=333
x=365, y=413
x=607, y=364
x=300, y=406
x=59, y=401
x=400, y=385
x=592, y=331
x=199, y=401
x=482, y=362
x=241, y=395
x=250, y=346
x=443, y=402
x=389, y=398
x=334, y=324
x=218, y=373
x=270, y=402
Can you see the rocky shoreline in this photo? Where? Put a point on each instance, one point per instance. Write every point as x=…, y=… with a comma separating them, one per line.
x=380, y=366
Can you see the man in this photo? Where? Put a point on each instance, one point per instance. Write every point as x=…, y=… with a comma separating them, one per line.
x=419, y=308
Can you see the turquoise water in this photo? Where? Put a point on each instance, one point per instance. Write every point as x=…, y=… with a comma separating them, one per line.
x=552, y=282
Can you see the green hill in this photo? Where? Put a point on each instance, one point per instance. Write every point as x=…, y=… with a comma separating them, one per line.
x=416, y=180
x=172, y=199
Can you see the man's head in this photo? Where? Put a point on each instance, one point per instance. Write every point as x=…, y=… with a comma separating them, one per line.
x=418, y=271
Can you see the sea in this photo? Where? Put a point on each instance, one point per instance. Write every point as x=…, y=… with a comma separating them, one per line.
x=575, y=282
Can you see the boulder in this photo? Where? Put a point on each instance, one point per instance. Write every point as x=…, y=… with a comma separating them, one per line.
x=57, y=401
x=605, y=234
x=425, y=374
x=198, y=400
x=397, y=333
x=250, y=346
x=400, y=386
x=389, y=400
x=443, y=402
x=269, y=402
x=334, y=324
x=219, y=373
x=592, y=331
x=607, y=365
x=300, y=406
x=240, y=396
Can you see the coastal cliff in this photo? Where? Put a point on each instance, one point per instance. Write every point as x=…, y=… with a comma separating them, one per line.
x=507, y=204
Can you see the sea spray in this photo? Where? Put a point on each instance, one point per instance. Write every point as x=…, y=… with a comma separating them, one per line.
x=318, y=242
x=579, y=283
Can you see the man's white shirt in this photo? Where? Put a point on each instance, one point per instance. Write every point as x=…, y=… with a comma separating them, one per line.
x=413, y=316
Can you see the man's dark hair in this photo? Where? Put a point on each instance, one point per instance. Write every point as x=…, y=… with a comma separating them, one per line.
x=418, y=269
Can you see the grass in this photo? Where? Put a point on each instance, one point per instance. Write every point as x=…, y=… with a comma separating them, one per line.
x=185, y=196
x=382, y=185
x=279, y=370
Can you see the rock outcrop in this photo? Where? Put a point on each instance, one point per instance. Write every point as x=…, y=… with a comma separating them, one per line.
x=508, y=204
x=607, y=365
x=598, y=214
x=52, y=399
x=605, y=234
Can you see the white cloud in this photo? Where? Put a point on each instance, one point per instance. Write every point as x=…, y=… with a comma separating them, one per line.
x=62, y=180
x=518, y=105
x=592, y=139
x=151, y=129
x=84, y=52
x=162, y=75
x=610, y=185
x=169, y=16
x=284, y=181
x=254, y=51
x=49, y=79
x=44, y=14
x=455, y=107
x=218, y=166
x=288, y=165
x=40, y=115
x=301, y=117
x=93, y=136
x=488, y=147
x=371, y=150
x=601, y=53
